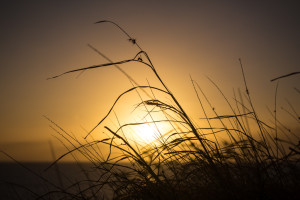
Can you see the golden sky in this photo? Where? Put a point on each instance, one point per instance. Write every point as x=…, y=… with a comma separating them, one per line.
x=40, y=39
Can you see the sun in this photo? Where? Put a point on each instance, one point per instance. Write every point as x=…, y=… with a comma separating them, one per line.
x=146, y=129
x=148, y=133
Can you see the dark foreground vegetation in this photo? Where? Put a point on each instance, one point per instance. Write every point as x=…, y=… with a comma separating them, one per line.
x=233, y=156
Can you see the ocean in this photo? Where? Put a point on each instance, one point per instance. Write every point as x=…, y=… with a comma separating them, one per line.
x=17, y=182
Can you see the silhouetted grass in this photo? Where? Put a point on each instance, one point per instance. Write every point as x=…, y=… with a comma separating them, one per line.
x=233, y=156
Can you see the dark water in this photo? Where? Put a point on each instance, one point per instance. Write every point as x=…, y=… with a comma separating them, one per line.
x=16, y=182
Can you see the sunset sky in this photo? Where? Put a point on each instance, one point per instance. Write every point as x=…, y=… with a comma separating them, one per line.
x=40, y=39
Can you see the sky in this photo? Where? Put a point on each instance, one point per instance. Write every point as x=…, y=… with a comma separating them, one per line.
x=40, y=39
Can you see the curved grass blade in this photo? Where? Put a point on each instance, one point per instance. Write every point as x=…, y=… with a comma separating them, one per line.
x=131, y=89
x=290, y=74
x=91, y=67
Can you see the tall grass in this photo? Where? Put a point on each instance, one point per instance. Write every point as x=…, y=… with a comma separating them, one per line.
x=233, y=156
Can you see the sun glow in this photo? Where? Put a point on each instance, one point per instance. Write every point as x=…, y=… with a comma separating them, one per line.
x=149, y=133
